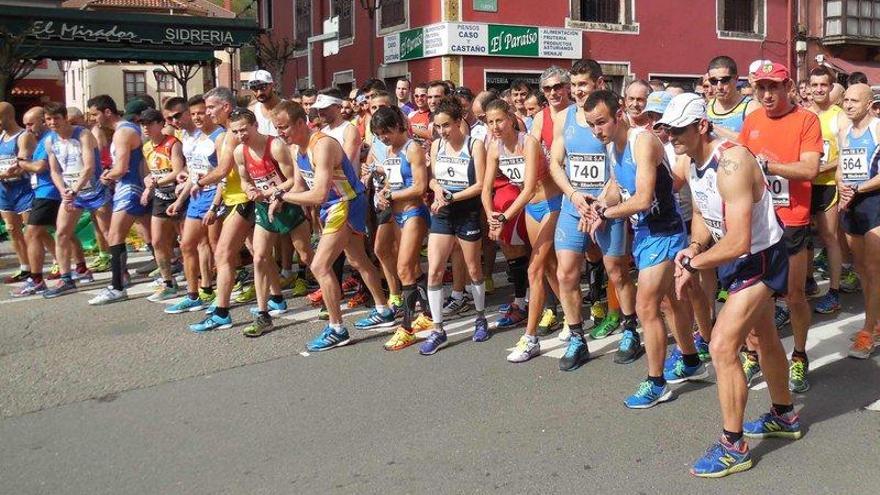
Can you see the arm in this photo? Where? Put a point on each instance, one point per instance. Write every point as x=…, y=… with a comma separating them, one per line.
x=55, y=174
x=352, y=144
x=225, y=160
x=488, y=181
x=178, y=163
x=89, y=146
x=807, y=168
x=433, y=184
x=537, y=125
x=533, y=155
x=479, y=156
x=281, y=153
x=680, y=171
x=36, y=164
x=26, y=145
x=724, y=132
x=647, y=153
x=325, y=155
x=246, y=185
x=123, y=142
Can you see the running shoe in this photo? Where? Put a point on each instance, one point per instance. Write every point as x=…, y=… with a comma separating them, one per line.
x=680, y=372
x=433, y=343
x=548, y=323
x=454, y=306
x=771, y=425
x=702, y=347
x=721, y=296
x=83, y=277
x=490, y=285
x=329, y=339
x=19, y=276
x=211, y=308
x=674, y=355
x=148, y=268
x=185, y=305
x=261, y=325
x=751, y=367
x=525, y=350
x=820, y=264
x=29, y=288
x=323, y=314
x=723, y=458
x=849, y=281
x=376, y=319
x=100, y=263
x=608, y=326
x=299, y=287
x=576, y=354
x=512, y=317
x=827, y=304
x=360, y=298
x=275, y=309
x=62, y=287
x=797, y=376
x=565, y=334
x=212, y=322
x=598, y=312
x=286, y=282
x=108, y=295
x=206, y=297
x=247, y=294
x=54, y=272
x=630, y=347
x=648, y=395
x=863, y=345
x=481, y=330
x=163, y=293
x=396, y=304
x=400, y=340
x=422, y=323
x=350, y=285
x=781, y=317
x=811, y=288
x=316, y=298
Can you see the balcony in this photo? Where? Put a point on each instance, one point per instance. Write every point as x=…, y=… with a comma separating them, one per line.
x=852, y=22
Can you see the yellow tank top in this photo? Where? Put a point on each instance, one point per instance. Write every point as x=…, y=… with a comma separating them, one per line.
x=828, y=121
x=233, y=194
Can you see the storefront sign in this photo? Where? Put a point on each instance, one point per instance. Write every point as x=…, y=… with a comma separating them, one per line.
x=486, y=5
x=499, y=40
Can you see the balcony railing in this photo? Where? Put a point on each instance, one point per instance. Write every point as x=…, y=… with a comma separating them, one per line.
x=852, y=21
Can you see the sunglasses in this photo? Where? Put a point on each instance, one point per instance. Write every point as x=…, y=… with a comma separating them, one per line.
x=259, y=87
x=176, y=116
x=723, y=80
x=678, y=131
x=238, y=112
x=555, y=87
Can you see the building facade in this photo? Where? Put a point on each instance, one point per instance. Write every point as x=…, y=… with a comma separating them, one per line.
x=841, y=34
x=481, y=43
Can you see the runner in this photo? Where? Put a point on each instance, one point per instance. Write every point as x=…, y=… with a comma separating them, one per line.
x=125, y=175
x=733, y=209
x=519, y=91
x=16, y=195
x=164, y=158
x=420, y=118
x=265, y=100
x=401, y=91
x=75, y=167
x=458, y=166
x=643, y=181
x=859, y=184
x=787, y=140
x=326, y=179
x=728, y=109
x=635, y=99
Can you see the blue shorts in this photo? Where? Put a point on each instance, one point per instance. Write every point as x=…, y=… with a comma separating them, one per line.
x=650, y=250
x=16, y=196
x=611, y=239
x=769, y=266
x=543, y=208
x=127, y=198
x=200, y=204
x=419, y=211
x=92, y=201
x=352, y=213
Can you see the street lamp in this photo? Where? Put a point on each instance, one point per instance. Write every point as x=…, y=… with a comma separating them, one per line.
x=159, y=74
x=230, y=50
x=371, y=6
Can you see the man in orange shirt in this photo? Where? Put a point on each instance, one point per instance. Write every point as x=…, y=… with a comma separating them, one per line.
x=787, y=140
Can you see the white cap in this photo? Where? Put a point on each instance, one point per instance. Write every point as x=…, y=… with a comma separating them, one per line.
x=757, y=64
x=324, y=101
x=260, y=77
x=684, y=109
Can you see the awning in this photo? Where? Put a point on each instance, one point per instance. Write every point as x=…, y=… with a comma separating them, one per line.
x=871, y=69
x=61, y=33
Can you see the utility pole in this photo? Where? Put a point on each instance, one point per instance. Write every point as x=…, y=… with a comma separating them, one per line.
x=372, y=6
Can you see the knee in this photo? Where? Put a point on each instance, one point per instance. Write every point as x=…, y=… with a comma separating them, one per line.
x=435, y=275
x=796, y=295
x=647, y=308
x=567, y=278
x=536, y=272
x=320, y=270
x=475, y=272
x=723, y=351
x=190, y=246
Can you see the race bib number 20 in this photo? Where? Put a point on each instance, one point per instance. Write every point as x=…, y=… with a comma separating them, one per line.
x=779, y=189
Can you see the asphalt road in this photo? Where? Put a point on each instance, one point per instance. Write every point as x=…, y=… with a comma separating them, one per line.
x=123, y=399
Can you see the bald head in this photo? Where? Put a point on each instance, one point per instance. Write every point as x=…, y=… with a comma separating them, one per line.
x=857, y=102
x=34, y=120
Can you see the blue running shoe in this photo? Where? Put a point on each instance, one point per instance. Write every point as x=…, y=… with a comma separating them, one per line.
x=771, y=425
x=435, y=341
x=723, y=458
x=630, y=347
x=827, y=304
x=274, y=308
x=648, y=395
x=211, y=308
x=329, y=339
x=702, y=347
x=781, y=316
x=481, y=330
x=674, y=356
x=576, y=354
x=212, y=322
x=185, y=305
x=512, y=316
x=679, y=372
x=376, y=319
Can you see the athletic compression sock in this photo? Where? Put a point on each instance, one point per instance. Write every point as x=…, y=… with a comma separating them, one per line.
x=435, y=302
x=519, y=271
x=478, y=289
x=116, y=265
x=410, y=296
x=422, y=286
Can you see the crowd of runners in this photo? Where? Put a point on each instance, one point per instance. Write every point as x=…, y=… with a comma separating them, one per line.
x=706, y=215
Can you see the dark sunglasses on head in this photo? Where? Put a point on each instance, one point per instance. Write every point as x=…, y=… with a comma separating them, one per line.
x=723, y=80
x=555, y=87
x=238, y=112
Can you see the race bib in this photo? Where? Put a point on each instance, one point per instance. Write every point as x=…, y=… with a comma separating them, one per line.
x=452, y=172
x=158, y=174
x=309, y=177
x=779, y=189
x=514, y=168
x=267, y=182
x=393, y=175
x=7, y=163
x=199, y=167
x=854, y=165
x=716, y=228
x=586, y=171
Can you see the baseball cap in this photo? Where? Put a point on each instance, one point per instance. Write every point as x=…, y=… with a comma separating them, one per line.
x=134, y=108
x=875, y=98
x=754, y=66
x=683, y=110
x=260, y=77
x=324, y=101
x=658, y=101
x=770, y=71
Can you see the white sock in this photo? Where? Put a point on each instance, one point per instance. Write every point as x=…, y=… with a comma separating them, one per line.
x=456, y=294
x=479, y=292
x=532, y=338
x=382, y=309
x=520, y=302
x=435, y=302
x=24, y=268
x=287, y=273
x=337, y=327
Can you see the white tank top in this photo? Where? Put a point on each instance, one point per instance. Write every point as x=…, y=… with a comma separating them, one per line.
x=188, y=142
x=338, y=132
x=264, y=124
x=766, y=229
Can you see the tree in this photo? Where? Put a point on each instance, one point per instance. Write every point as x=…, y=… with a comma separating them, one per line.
x=273, y=54
x=17, y=60
x=182, y=72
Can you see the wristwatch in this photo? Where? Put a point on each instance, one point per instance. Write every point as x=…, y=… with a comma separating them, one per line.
x=600, y=210
x=387, y=194
x=686, y=264
x=447, y=196
x=501, y=218
x=277, y=195
x=855, y=188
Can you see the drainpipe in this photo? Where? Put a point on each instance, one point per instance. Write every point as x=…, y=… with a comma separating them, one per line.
x=790, y=34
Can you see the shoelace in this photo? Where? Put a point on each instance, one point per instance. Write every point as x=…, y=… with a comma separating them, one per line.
x=679, y=370
x=863, y=340
x=522, y=345
x=644, y=389
x=798, y=370
x=627, y=341
x=574, y=343
x=435, y=337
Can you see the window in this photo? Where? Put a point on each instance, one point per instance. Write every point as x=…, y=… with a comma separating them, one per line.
x=600, y=11
x=852, y=18
x=603, y=15
x=345, y=10
x=302, y=15
x=167, y=83
x=392, y=14
x=741, y=18
x=135, y=84
x=266, y=14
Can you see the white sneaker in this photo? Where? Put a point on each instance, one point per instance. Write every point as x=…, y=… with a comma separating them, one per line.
x=565, y=334
x=525, y=350
x=108, y=295
x=874, y=406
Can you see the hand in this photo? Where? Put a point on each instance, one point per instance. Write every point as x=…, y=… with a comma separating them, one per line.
x=688, y=252
x=106, y=179
x=682, y=279
x=172, y=209
x=182, y=177
x=210, y=217
x=581, y=202
x=584, y=225
x=252, y=193
x=68, y=195
x=494, y=232
x=273, y=207
x=267, y=193
x=847, y=193
x=381, y=199
x=68, y=205
x=178, y=188
x=149, y=181
x=437, y=204
x=145, y=197
x=494, y=222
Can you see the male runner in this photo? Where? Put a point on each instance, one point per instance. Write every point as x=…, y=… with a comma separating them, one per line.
x=635, y=98
x=265, y=100
x=16, y=196
x=733, y=208
x=787, y=140
x=729, y=108
x=519, y=91
x=401, y=91
x=420, y=118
